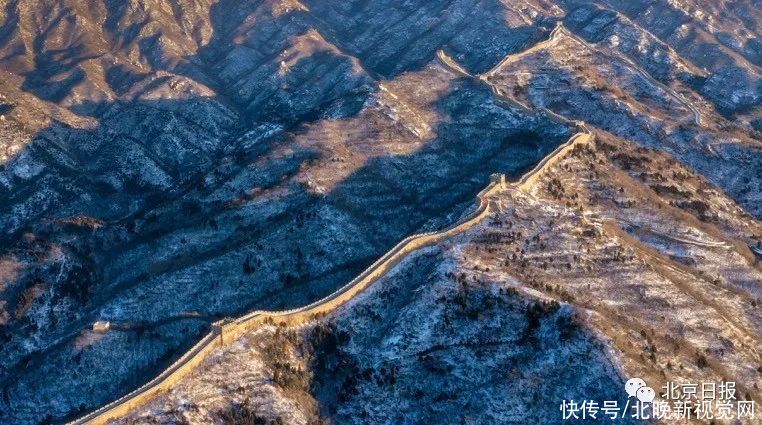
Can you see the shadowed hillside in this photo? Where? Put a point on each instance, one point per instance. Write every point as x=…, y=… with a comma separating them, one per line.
x=165, y=164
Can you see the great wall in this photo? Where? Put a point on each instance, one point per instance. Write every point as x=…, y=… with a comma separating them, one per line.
x=555, y=36
x=226, y=331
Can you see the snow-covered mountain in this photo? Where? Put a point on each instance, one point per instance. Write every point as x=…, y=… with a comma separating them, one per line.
x=168, y=163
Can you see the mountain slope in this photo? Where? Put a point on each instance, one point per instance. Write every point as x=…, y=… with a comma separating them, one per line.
x=164, y=164
x=596, y=265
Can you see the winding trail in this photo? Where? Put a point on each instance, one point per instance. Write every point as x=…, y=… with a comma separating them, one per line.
x=499, y=98
x=554, y=38
x=503, y=99
x=226, y=331
x=675, y=95
x=551, y=41
x=686, y=240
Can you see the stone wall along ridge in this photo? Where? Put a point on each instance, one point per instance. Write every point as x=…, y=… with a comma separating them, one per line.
x=228, y=330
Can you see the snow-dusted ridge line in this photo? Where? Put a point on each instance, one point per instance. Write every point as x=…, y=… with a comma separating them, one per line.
x=227, y=330
x=619, y=55
x=561, y=30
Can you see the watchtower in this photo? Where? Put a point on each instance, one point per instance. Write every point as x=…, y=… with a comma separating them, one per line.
x=497, y=178
x=101, y=326
x=218, y=328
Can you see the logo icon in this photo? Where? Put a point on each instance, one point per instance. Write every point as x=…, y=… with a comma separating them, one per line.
x=633, y=385
x=637, y=388
x=646, y=394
